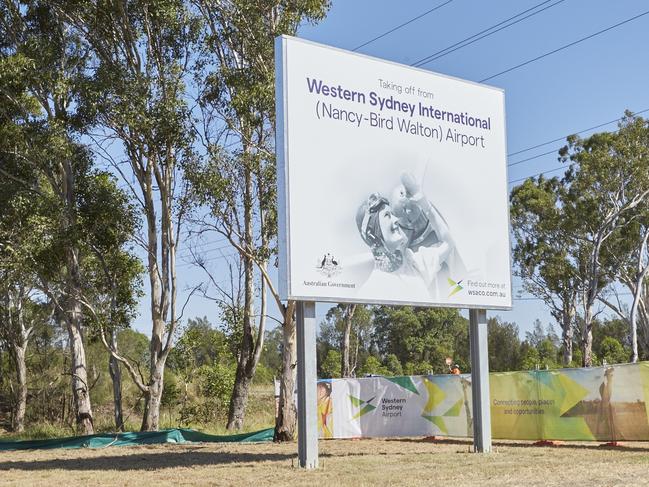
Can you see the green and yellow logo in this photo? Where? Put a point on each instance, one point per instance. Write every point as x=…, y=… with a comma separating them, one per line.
x=456, y=287
x=365, y=406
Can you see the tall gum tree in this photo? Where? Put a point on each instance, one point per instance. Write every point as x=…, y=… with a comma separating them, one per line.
x=22, y=306
x=112, y=273
x=50, y=61
x=142, y=51
x=225, y=185
x=605, y=186
x=237, y=92
x=543, y=253
x=628, y=249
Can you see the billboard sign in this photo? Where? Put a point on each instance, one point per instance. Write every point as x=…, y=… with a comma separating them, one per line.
x=392, y=183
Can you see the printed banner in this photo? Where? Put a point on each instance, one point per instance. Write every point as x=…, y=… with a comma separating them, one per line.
x=395, y=406
x=602, y=403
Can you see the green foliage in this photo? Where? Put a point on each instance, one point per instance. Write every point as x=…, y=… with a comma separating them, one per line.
x=216, y=382
x=263, y=375
x=330, y=367
x=419, y=368
x=529, y=357
x=577, y=358
x=614, y=328
x=611, y=351
x=203, y=361
x=171, y=393
x=393, y=365
x=271, y=355
x=214, y=386
x=504, y=345
x=199, y=344
x=372, y=366
x=331, y=334
x=424, y=337
x=548, y=353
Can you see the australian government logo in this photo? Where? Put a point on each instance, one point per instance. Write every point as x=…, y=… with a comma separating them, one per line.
x=329, y=266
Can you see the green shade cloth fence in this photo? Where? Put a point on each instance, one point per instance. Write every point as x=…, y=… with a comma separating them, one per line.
x=132, y=439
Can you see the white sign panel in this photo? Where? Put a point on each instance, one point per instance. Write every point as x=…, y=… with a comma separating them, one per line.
x=392, y=183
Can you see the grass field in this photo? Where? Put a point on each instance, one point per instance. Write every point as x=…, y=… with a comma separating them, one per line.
x=343, y=462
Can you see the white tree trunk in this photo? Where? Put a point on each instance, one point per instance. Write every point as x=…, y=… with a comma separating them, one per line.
x=116, y=377
x=348, y=315
x=20, y=406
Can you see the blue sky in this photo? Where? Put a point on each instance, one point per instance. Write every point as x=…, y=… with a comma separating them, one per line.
x=582, y=86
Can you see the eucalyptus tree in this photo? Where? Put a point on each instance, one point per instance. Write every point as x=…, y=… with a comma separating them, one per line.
x=346, y=369
x=235, y=215
x=544, y=252
x=43, y=69
x=112, y=273
x=22, y=308
x=606, y=185
x=573, y=234
x=137, y=95
x=236, y=86
x=628, y=248
x=348, y=328
x=421, y=338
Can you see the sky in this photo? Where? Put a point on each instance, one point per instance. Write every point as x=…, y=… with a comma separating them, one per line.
x=578, y=87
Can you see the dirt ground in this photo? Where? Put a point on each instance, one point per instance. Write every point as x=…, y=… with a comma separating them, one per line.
x=342, y=462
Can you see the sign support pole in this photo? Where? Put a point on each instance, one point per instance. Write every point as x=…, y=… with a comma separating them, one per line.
x=307, y=419
x=480, y=380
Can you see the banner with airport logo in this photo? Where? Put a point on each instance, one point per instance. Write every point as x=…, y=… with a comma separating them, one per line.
x=392, y=183
x=601, y=403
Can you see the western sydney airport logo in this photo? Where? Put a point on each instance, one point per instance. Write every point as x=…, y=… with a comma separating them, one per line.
x=455, y=287
x=390, y=407
x=363, y=406
x=329, y=266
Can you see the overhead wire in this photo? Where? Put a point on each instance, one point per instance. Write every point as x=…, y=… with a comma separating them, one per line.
x=534, y=298
x=211, y=259
x=540, y=173
x=532, y=158
x=485, y=33
x=204, y=247
x=403, y=25
x=573, y=133
x=555, y=150
x=566, y=46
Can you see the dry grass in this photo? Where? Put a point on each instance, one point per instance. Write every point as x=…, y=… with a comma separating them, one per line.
x=357, y=463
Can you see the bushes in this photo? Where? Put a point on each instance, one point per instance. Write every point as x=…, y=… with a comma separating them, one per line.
x=214, y=385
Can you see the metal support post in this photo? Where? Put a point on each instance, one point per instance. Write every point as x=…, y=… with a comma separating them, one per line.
x=480, y=380
x=307, y=419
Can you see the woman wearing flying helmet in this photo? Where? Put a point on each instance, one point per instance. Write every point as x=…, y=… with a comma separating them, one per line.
x=393, y=232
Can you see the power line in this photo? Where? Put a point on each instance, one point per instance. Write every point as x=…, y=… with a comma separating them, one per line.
x=573, y=133
x=562, y=138
x=566, y=46
x=484, y=33
x=402, y=25
x=534, y=298
x=538, y=174
x=206, y=247
x=531, y=158
x=211, y=259
x=203, y=252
